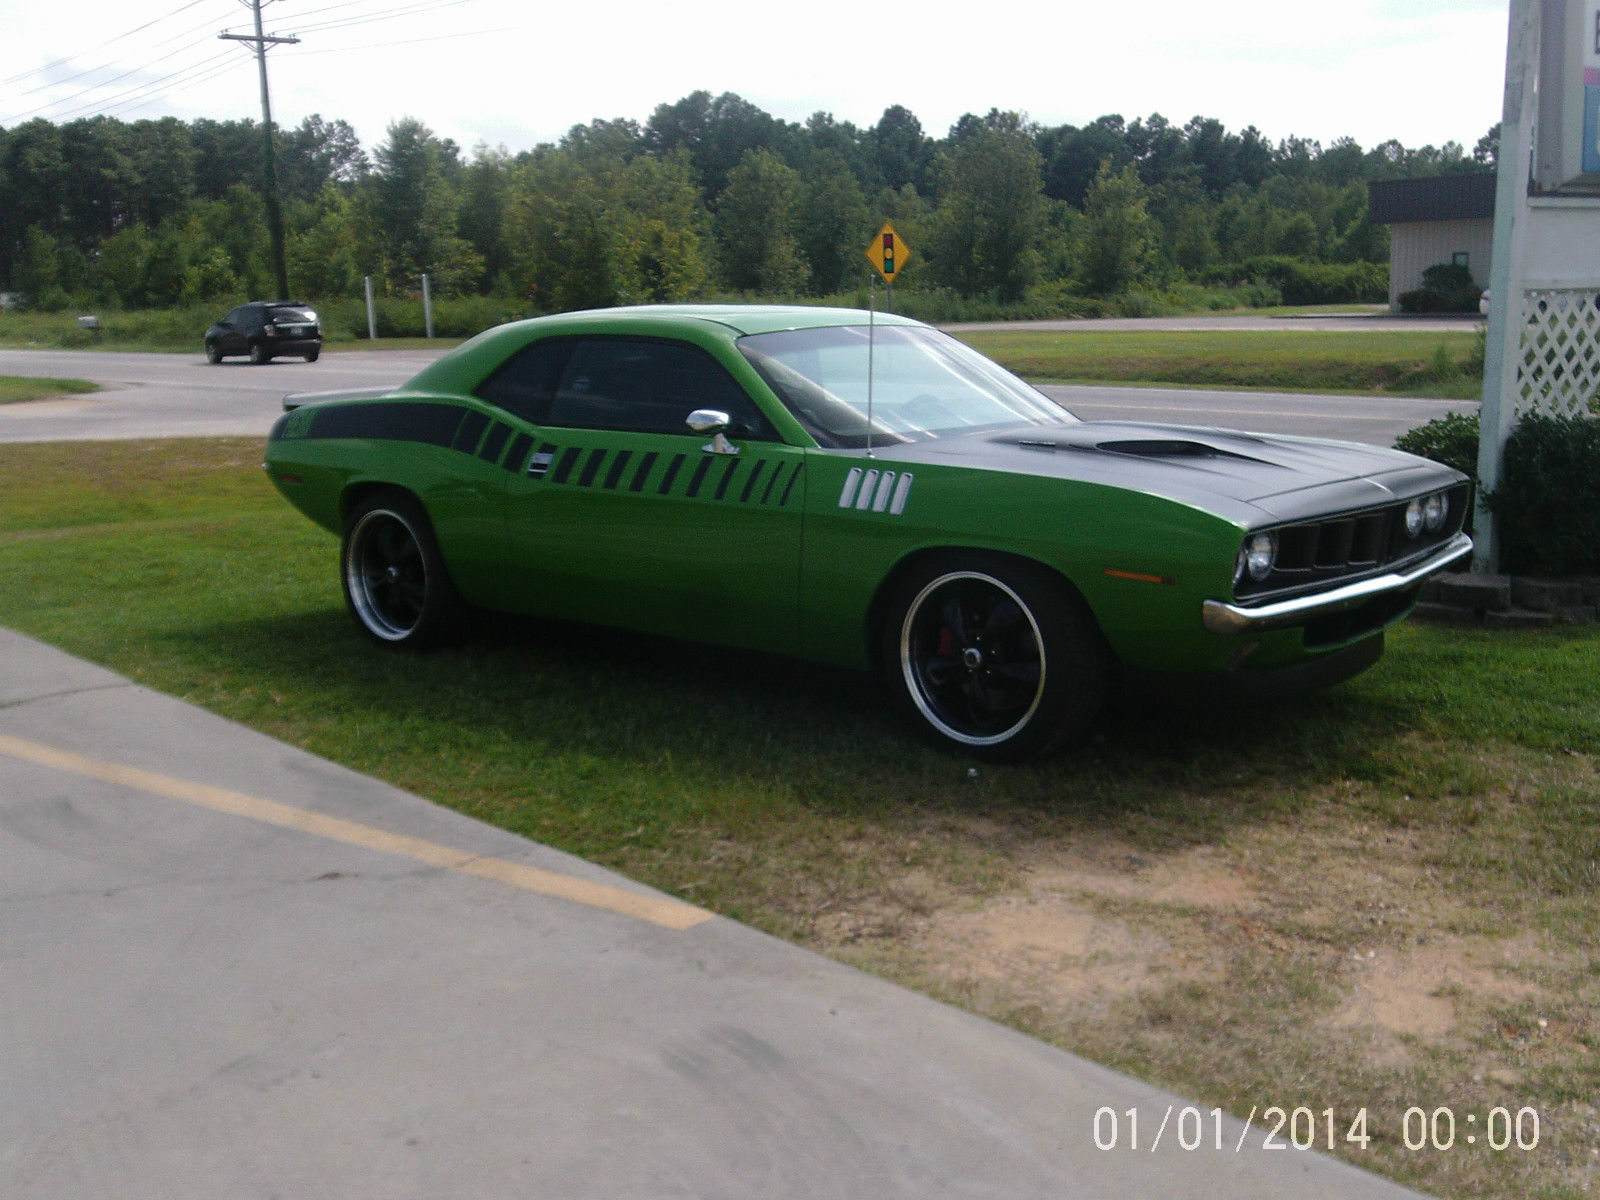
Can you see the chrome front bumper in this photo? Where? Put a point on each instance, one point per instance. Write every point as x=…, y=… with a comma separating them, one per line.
x=1220, y=617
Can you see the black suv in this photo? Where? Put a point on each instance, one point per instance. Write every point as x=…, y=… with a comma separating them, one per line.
x=265, y=329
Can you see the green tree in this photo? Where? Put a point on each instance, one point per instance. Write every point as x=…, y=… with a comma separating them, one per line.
x=317, y=153
x=1194, y=248
x=758, y=226
x=659, y=231
x=322, y=245
x=984, y=235
x=716, y=134
x=902, y=151
x=1114, y=237
x=123, y=259
x=555, y=227
x=413, y=206
x=38, y=269
x=834, y=221
x=231, y=225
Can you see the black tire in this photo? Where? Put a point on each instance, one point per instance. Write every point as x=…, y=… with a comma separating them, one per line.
x=213, y=353
x=394, y=577
x=311, y=355
x=994, y=657
x=259, y=354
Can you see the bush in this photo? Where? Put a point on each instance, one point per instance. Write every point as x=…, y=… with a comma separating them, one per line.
x=1301, y=281
x=1446, y=288
x=1548, y=501
x=1451, y=439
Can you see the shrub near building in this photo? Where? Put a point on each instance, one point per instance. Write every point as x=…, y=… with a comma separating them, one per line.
x=1548, y=501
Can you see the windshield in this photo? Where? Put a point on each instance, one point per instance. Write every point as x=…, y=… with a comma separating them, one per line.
x=924, y=384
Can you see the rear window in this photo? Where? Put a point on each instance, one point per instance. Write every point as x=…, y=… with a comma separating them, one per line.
x=292, y=316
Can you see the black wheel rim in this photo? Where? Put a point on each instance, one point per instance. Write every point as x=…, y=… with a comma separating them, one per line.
x=973, y=658
x=387, y=575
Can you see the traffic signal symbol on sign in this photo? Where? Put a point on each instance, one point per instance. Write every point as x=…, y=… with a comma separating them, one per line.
x=888, y=253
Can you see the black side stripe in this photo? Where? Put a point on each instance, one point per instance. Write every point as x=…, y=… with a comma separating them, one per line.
x=564, y=467
x=469, y=431
x=615, y=473
x=771, y=483
x=764, y=483
x=672, y=473
x=518, y=454
x=698, y=478
x=494, y=443
x=727, y=477
x=749, y=484
x=591, y=467
x=643, y=472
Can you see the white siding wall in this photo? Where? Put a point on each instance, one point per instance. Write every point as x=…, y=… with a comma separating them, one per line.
x=1414, y=246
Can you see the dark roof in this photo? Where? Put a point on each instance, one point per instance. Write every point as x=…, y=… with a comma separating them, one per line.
x=1443, y=198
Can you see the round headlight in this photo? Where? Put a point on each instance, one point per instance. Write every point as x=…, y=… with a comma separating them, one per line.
x=1256, y=556
x=1414, y=518
x=1434, y=509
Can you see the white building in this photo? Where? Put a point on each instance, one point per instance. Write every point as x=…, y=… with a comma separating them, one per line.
x=1448, y=219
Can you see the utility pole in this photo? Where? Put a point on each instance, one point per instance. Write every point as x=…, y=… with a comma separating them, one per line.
x=280, y=266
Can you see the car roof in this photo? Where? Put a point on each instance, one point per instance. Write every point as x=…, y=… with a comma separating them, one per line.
x=740, y=318
x=473, y=360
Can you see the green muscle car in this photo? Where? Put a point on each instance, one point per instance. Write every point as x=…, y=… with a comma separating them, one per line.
x=859, y=490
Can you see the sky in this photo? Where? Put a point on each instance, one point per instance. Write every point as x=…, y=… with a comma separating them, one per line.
x=514, y=74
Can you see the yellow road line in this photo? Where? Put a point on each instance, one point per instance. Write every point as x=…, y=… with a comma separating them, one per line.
x=657, y=910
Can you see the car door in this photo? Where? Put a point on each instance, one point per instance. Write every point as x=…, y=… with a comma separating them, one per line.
x=622, y=515
x=232, y=339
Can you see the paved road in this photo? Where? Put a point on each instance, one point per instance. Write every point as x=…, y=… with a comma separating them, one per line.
x=181, y=395
x=232, y=969
x=176, y=395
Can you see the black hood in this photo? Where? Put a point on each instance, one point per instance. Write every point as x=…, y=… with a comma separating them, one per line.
x=1245, y=477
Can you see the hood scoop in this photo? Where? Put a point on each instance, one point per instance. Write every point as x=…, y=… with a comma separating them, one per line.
x=1173, y=448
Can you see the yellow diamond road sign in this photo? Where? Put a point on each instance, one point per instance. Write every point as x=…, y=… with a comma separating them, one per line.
x=888, y=253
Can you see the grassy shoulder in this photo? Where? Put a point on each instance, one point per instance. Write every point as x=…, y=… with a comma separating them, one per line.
x=16, y=388
x=1422, y=363
x=1378, y=897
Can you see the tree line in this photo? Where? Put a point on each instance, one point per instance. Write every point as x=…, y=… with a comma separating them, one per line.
x=711, y=196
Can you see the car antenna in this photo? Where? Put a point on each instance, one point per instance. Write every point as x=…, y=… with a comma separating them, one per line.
x=872, y=305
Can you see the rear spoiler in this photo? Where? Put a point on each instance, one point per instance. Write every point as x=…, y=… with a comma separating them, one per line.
x=294, y=400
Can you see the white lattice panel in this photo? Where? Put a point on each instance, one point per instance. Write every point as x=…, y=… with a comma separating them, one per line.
x=1559, y=369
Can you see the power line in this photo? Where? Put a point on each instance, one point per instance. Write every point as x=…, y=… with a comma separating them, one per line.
x=438, y=37
x=426, y=6
x=207, y=69
x=21, y=75
x=105, y=83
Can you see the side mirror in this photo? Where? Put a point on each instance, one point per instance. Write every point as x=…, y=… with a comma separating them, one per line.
x=714, y=422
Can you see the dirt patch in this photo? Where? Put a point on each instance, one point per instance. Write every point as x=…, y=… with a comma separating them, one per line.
x=1052, y=944
x=1419, y=993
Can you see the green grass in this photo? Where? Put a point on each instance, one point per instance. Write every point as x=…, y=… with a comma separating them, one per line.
x=1439, y=807
x=15, y=388
x=1431, y=363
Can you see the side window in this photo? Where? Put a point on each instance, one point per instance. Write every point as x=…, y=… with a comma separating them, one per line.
x=234, y=318
x=648, y=387
x=525, y=382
